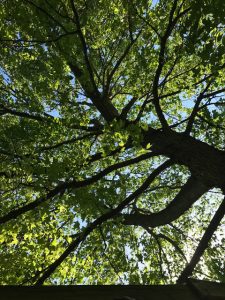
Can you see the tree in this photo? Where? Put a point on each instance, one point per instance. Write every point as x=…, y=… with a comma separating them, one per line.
x=112, y=141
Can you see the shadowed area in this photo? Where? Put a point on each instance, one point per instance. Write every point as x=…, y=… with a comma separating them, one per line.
x=192, y=290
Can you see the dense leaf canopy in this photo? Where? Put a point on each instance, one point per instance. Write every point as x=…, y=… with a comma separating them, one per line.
x=112, y=158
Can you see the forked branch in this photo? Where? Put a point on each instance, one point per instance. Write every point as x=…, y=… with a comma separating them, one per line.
x=99, y=221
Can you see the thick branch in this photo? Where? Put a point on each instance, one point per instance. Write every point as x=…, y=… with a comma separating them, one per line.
x=87, y=81
x=103, y=105
x=127, y=108
x=189, y=193
x=204, y=161
x=202, y=246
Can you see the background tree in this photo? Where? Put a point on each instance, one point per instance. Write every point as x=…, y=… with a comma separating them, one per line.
x=112, y=141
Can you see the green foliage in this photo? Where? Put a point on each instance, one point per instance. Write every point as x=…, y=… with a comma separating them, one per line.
x=54, y=66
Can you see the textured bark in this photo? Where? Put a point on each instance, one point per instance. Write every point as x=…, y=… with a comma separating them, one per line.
x=103, y=105
x=204, y=161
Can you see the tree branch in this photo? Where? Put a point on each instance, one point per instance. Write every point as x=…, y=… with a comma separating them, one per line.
x=60, y=189
x=104, y=106
x=5, y=110
x=67, y=142
x=103, y=218
x=161, y=61
x=47, y=14
x=46, y=118
x=203, y=244
x=191, y=191
x=127, y=108
x=195, y=109
x=37, y=41
x=119, y=61
x=168, y=239
x=84, y=45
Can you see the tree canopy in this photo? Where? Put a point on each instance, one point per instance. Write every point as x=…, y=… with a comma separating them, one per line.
x=112, y=154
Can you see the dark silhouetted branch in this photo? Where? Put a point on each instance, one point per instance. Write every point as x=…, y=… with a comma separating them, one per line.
x=60, y=189
x=189, y=193
x=103, y=218
x=203, y=244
